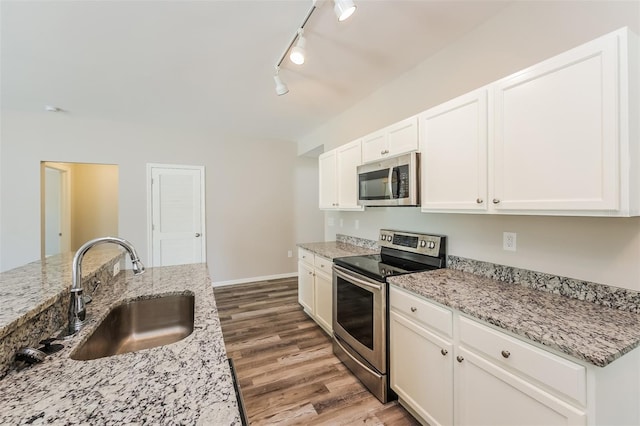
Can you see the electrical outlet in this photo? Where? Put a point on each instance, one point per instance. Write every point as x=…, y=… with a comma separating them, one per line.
x=289, y=253
x=357, y=224
x=116, y=269
x=330, y=222
x=341, y=222
x=509, y=241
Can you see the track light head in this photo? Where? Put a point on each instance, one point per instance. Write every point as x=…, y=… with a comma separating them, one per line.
x=281, y=88
x=343, y=9
x=298, y=51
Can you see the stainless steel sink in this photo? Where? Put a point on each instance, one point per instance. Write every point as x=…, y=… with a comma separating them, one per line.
x=141, y=324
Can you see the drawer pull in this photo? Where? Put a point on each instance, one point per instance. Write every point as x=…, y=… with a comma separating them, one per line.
x=413, y=309
x=496, y=201
x=444, y=352
x=505, y=354
x=479, y=201
x=460, y=358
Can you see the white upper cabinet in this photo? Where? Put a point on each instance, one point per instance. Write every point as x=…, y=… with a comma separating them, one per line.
x=339, y=177
x=558, y=138
x=453, y=146
x=396, y=139
x=328, y=180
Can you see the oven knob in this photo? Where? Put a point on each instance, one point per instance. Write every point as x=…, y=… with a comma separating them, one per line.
x=423, y=243
x=432, y=245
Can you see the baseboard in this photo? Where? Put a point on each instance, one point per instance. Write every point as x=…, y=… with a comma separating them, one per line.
x=254, y=279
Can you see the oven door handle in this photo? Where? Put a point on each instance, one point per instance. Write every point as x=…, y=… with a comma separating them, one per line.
x=343, y=273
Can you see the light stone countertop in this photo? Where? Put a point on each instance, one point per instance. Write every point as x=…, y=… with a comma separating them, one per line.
x=333, y=249
x=581, y=329
x=28, y=290
x=187, y=382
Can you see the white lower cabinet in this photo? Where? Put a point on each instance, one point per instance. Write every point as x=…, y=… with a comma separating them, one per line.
x=421, y=370
x=489, y=395
x=450, y=369
x=324, y=300
x=315, y=288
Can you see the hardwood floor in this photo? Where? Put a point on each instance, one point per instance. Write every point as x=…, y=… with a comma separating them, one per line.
x=285, y=365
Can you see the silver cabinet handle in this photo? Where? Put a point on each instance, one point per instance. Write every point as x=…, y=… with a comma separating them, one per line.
x=460, y=358
x=506, y=354
x=479, y=200
x=444, y=352
x=413, y=309
x=197, y=234
x=496, y=201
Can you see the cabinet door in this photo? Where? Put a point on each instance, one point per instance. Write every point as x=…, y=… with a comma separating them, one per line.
x=349, y=157
x=327, y=180
x=421, y=370
x=453, y=145
x=556, y=133
x=306, y=287
x=402, y=137
x=374, y=146
x=489, y=395
x=324, y=301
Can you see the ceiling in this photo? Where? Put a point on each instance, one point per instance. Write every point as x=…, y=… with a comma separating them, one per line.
x=209, y=65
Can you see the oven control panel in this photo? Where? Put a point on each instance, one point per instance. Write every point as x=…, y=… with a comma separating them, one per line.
x=430, y=245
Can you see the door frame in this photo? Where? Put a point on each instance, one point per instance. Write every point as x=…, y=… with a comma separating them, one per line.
x=65, y=205
x=150, y=167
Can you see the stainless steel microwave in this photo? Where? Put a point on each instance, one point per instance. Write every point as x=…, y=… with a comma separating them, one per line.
x=390, y=182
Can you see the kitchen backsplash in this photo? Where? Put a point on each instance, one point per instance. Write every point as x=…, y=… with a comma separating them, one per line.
x=360, y=242
x=613, y=297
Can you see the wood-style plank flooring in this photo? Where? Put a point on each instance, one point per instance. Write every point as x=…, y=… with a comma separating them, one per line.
x=285, y=364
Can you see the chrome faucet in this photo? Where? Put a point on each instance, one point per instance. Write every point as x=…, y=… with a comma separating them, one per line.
x=77, y=308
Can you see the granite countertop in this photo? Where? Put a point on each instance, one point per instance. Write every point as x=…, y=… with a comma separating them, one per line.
x=333, y=249
x=187, y=382
x=581, y=329
x=28, y=290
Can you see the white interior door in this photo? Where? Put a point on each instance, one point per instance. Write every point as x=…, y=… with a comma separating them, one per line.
x=177, y=215
x=52, y=211
x=57, y=215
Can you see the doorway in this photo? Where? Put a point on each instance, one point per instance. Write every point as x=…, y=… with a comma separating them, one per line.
x=56, y=211
x=176, y=214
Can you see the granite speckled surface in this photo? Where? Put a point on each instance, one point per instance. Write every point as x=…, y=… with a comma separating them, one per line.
x=350, y=246
x=35, y=298
x=187, y=382
x=28, y=290
x=584, y=330
x=613, y=297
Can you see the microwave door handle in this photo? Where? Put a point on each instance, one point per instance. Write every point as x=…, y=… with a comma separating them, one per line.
x=390, y=182
x=396, y=170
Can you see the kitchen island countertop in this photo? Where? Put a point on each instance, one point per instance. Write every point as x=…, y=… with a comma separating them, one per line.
x=187, y=382
x=584, y=330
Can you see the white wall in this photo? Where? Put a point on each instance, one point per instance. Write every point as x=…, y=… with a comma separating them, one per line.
x=250, y=187
x=604, y=250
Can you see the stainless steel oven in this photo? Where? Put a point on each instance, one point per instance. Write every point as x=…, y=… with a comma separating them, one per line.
x=360, y=327
x=360, y=308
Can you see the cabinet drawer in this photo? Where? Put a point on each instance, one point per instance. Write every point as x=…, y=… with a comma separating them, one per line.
x=422, y=311
x=323, y=265
x=557, y=373
x=305, y=256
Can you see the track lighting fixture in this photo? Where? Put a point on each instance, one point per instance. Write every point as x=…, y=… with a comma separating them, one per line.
x=281, y=88
x=297, y=53
x=343, y=9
